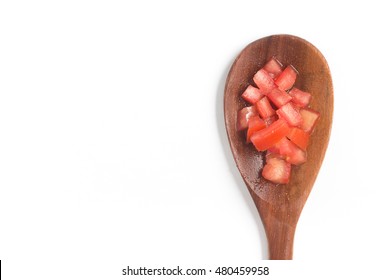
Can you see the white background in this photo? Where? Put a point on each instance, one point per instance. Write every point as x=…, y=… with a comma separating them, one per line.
x=113, y=150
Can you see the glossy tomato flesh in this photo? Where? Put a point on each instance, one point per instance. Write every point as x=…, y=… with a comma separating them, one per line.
x=273, y=67
x=290, y=114
x=252, y=94
x=269, y=136
x=292, y=153
x=300, y=98
x=255, y=123
x=279, y=97
x=287, y=78
x=264, y=81
x=299, y=137
x=264, y=108
x=277, y=170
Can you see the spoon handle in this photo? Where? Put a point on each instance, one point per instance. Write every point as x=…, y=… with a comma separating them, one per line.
x=280, y=240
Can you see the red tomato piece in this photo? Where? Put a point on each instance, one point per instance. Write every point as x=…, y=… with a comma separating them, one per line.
x=293, y=154
x=290, y=114
x=310, y=118
x=243, y=116
x=299, y=97
x=252, y=94
x=254, y=124
x=273, y=67
x=279, y=97
x=264, y=81
x=299, y=137
x=264, y=108
x=287, y=78
x=269, y=136
x=277, y=170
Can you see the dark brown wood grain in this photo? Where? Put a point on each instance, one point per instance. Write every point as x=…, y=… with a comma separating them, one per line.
x=280, y=206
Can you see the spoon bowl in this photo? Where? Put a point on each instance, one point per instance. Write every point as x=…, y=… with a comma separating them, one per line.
x=280, y=206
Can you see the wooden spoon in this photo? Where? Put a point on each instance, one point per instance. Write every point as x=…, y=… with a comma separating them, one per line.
x=280, y=206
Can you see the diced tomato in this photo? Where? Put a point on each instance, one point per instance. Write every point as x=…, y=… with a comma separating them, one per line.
x=299, y=137
x=264, y=108
x=279, y=97
x=310, y=118
x=299, y=97
x=273, y=67
x=269, y=136
x=284, y=134
x=243, y=116
x=287, y=78
x=252, y=94
x=277, y=171
x=290, y=114
x=254, y=124
x=264, y=81
x=293, y=154
x=268, y=121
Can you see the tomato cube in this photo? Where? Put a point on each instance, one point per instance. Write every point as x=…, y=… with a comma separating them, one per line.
x=264, y=108
x=269, y=136
x=254, y=124
x=290, y=114
x=279, y=97
x=287, y=78
x=243, y=116
x=299, y=137
x=277, y=170
x=310, y=118
x=299, y=97
x=264, y=81
x=273, y=67
x=292, y=153
x=252, y=94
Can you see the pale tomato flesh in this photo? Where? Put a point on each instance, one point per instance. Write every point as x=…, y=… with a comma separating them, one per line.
x=290, y=114
x=277, y=170
x=264, y=81
x=264, y=108
x=299, y=97
x=273, y=67
x=279, y=97
x=252, y=94
x=287, y=78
